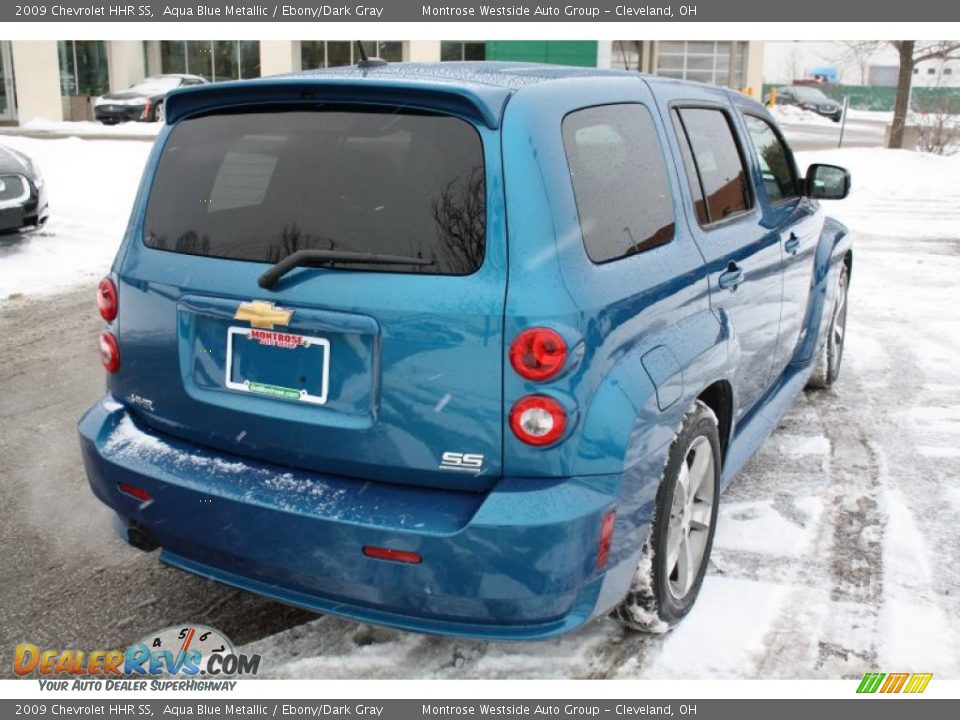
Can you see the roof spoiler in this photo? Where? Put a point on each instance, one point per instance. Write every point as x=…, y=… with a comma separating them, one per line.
x=481, y=103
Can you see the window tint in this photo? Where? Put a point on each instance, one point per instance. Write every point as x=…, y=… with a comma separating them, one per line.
x=696, y=190
x=261, y=185
x=619, y=180
x=776, y=165
x=720, y=169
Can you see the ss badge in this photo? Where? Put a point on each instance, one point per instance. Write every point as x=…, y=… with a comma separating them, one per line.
x=465, y=462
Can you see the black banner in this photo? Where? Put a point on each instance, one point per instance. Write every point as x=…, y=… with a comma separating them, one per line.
x=418, y=11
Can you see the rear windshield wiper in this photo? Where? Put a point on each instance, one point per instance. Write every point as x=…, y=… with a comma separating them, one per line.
x=313, y=257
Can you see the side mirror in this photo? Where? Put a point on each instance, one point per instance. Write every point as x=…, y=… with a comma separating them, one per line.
x=827, y=182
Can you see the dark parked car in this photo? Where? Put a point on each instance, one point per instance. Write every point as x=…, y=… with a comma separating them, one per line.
x=810, y=98
x=23, y=199
x=142, y=102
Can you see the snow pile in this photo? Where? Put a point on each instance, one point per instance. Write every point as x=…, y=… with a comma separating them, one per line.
x=882, y=116
x=91, y=185
x=913, y=626
x=758, y=527
x=895, y=193
x=796, y=115
x=93, y=129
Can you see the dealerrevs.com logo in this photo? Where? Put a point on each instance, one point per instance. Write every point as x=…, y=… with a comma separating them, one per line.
x=190, y=657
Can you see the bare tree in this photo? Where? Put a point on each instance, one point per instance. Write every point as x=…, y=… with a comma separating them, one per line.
x=791, y=65
x=912, y=52
x=939, y=127
x=858, y=53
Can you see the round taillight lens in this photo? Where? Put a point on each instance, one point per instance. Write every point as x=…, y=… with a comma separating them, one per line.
x=538, y=420
x=109, y=352
x=107, y=299
x=538, y=353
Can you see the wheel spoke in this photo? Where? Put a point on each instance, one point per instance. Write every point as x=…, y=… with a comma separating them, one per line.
x=674, y=541
x=683, y=482
x=685, y=569
x=700, y=516
x=699, y=468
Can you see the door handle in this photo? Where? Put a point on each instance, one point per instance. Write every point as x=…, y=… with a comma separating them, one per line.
x=731, y=277
x=792, y=245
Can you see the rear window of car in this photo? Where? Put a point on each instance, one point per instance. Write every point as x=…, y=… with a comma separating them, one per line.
x=619, y=180
x=259, y=186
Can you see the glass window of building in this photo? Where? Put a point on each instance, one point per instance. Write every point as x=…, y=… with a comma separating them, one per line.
x=627, y=54
x=211, y=59
x=703, y=61
x=456, y=50
x=328, y=53
x=83, y=67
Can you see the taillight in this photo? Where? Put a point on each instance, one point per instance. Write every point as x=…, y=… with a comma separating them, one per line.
x=538, y=353
x=606, y=538
x=538, y=420
x=107, y=299
x=109, y=352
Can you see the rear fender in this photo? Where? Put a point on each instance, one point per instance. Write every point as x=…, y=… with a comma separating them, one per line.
x=835, y=243
x=638, y=406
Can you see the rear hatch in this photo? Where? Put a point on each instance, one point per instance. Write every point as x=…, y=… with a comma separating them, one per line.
x=380, y=356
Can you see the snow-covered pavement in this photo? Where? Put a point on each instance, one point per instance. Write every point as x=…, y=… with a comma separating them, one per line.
x=91, y=185
x=837, y=546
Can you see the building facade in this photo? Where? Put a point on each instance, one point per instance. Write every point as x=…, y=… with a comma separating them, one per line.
x=56, y=80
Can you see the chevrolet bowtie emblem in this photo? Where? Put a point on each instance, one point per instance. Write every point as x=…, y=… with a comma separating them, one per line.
x=263, y=315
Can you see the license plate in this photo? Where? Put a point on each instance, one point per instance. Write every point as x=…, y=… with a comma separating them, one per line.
x=278, y=364
x=11, y=218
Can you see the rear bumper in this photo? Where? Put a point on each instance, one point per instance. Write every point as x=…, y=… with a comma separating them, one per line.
x=518, y=562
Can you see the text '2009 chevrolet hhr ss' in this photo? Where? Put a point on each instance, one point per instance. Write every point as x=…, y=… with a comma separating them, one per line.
x=462, y=348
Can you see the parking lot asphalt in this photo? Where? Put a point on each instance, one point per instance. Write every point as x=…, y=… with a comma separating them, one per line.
x=66, y=580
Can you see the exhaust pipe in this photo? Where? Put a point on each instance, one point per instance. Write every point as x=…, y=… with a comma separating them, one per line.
x=141, y=538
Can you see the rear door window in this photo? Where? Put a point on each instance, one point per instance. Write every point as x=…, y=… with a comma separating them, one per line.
x=619, y=180
x=722, y=178
x=259, y=186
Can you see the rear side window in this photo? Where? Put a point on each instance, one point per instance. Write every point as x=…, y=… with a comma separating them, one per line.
x=259, y=186
x=721, y=178
x=619, y=180
x=776, y=165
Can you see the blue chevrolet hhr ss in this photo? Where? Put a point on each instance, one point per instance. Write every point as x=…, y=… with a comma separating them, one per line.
x=468, y=348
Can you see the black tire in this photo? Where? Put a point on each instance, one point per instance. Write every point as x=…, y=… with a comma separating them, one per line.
x=158, y=113
x=659, y=597
x=827, y=368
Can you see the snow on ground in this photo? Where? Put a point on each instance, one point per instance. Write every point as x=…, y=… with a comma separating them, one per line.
x=39, y=126
x=883, y=116
x=91, y=186
x=795, y=115
x=896, y=193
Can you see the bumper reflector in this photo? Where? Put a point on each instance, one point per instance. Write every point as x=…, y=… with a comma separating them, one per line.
x=134, y=491
x=606, y=538
x=401, y=556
